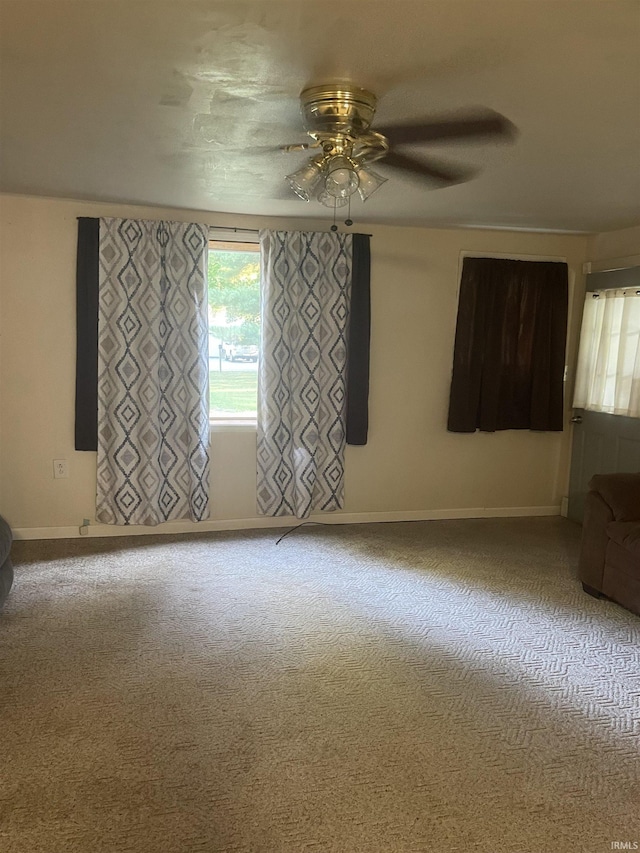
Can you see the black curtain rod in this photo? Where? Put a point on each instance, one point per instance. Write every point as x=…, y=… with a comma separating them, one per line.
x=235, y=230
x=257, y=231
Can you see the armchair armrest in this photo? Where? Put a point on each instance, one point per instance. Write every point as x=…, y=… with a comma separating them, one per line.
x=621, y=492
x=597, y=515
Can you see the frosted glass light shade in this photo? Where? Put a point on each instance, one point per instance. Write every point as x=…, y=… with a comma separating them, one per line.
x=342, y=180
x=305, y=180
x=332, y=201
x=370, y=181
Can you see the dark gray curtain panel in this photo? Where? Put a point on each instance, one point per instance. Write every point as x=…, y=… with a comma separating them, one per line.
x=509, y=356
x=359, y=342
x=86, y=424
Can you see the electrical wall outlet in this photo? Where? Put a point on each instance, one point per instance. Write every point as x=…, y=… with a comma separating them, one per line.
x=60, y=469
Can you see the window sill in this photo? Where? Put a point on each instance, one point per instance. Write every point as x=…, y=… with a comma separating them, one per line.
x=231, y=425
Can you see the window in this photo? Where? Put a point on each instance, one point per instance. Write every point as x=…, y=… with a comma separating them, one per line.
x=234, y=330
x=608, y=378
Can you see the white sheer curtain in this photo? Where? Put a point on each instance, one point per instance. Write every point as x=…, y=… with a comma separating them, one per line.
x=608, y=377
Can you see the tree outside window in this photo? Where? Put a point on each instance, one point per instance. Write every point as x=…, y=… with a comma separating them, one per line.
x=234, y=329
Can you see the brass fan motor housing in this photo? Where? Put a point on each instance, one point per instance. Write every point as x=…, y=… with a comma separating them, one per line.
x=337, y=110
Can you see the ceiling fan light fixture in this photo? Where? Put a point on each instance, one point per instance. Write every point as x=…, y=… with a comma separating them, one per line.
x=305, y=180
x=338, y=118
x=368, y=182
x=341, y=178
x=332, y=201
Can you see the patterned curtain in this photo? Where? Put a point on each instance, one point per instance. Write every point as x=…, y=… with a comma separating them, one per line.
x=153, y=407
x=301, y=383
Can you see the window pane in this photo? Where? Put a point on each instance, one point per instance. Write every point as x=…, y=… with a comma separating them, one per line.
x=234, y=329
x=608, y=376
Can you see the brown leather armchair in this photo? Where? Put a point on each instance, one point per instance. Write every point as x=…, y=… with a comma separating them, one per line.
x=610, y=554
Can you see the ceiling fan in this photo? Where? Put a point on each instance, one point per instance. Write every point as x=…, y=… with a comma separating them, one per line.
x=338, y=119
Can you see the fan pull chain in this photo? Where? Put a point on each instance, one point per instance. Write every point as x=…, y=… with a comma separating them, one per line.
x=349, y=220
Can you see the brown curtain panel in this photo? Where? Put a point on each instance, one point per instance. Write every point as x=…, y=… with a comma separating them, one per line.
x=508, y=363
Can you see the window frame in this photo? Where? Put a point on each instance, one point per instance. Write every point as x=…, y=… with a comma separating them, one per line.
x=249, y=242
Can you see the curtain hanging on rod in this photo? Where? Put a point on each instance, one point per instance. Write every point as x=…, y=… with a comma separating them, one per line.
x=508, y=365
x=302, y=387
x=608, y=375
x=153, y=407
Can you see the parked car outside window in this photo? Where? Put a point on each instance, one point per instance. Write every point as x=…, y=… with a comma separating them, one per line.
x=239, y=352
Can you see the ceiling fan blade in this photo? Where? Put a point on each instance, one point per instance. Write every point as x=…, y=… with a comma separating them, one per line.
x=472, y=126
x=253, y=150
x=296, y=146
x=430, y=170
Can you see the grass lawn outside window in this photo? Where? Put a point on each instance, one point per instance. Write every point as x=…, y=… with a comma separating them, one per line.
x=234, y=394
x=234, y=331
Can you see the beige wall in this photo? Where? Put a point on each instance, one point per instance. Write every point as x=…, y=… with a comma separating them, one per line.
x=613, y=249
x=411, y=464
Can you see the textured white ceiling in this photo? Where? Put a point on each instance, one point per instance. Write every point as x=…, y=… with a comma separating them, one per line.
x=108, y=99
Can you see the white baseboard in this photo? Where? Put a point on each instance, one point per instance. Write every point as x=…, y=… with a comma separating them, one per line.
x=101, y=530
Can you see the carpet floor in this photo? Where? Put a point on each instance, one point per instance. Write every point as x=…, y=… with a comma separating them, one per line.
x=384, y=688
